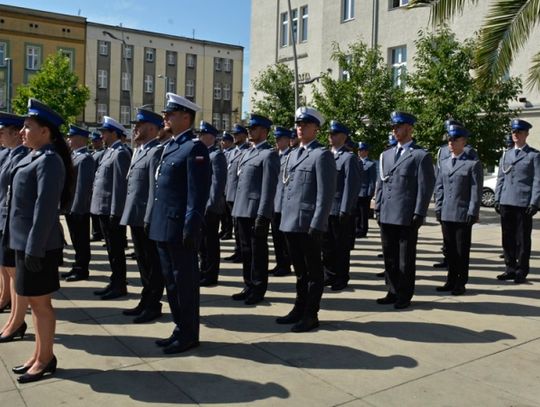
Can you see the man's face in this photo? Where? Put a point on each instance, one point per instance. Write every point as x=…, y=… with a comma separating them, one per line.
x=520, y=137
x=336, y=140
x=363, y=153
x=177, y=121
x=456, y=145
x=109, y=137
x=76, y=142
x=144, y=132
x=10, y=136
x=257, y=134
x=402, y=132
x=239, y=138
x=225, y=144
x=282, y=143
x=306, y=131
x=207, y=139
x=97, y=144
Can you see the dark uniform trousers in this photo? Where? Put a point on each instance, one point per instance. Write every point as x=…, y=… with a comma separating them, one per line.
x=516, y=232
x=115, y=238
x=182, y=277
x=237, y=251
x=226, y=221
x=96, y=228
x=79, y=230
x=209, y=249
x=399, y=251
x=149, y=269
x=362, y=213
x=281, y=251
x=457, y=241
x=254, y=251
x=307, y=263
x=336, y=249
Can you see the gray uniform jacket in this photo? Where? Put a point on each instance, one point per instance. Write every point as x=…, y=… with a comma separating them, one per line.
x=34, y=214
x=258, y=173
x=110, y=183
x=140, y=176
x=280, y=185
x=14, y=156
x=405, y=187
x=4, y=154
x=310, y=185
x=98, y=156
x=368, y=178
x=85, y=168
x=518, y=180
x=218, y=168
x=232, y=171
x=347, y=183
x=458, y=189
x=228, y=152
x=444, y=153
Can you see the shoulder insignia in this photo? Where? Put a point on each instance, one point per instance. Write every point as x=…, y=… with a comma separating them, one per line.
x=49, y=152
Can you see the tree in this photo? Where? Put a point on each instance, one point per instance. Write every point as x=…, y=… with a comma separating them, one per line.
x=442, y=87
x=505, y=31
x=57, y=86
x=364, y=99
x=276, y=84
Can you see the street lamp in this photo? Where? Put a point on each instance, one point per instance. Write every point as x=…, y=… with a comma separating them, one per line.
x=130, y=92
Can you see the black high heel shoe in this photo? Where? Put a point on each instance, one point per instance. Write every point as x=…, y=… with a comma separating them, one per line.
x=18, y=333
x=28, y=378
x=5, y=307
x=21, y=369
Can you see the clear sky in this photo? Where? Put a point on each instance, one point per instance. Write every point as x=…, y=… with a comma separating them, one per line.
x=213, y=20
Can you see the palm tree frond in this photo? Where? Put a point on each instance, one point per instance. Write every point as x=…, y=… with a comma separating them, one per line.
x=442, y=10
x=533, y=79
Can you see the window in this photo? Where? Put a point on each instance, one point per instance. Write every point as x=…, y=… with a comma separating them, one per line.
x=217, y=91
x=124, y=114
x=171, y=85
x=217, y=64
x=148, y=83
x=171, y=58
x=227, y=65
x=226, y=122
x=304, y=26
x=3, y=53
x=227, y=92
x=398, y=3
x=102, y=79
x=284, y=30
x=126, y=81
x=398, y=57
x=128, y=52
x=149, y=52
x=33, y=57
x=295, y=25
x=3, y=95
x=216, y=120
x=190, y=60
x=103, y=48
x=347, y=10
x=101, y=111
x=190, y=88
x=70, y=54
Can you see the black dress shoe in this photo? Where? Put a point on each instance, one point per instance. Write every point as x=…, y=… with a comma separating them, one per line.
x=96, y=238
x=280, y=272
x=233, y=257
x=338, y=286
x=507, y=275
x=402, y=304
x=443, y=288
x=21, y=369
x=5, y=307
x=28, y=378
x=459, y=290
x=441, y=265
x=179, y=347
x=115, y=293
x=242, y=295
x=305, y=324
x=105, y=290
x=18, y=333
x=147, y=316
x=380, y=256
x=291, y=318
x=208, y=282
x=77, y=277
x=138, y=310
x=381, y=274
x=520, y=278
x=162, y=343
x=389, y=299
x=253, y=299
x=69, y=273
x=501, y=256
x=226, y=236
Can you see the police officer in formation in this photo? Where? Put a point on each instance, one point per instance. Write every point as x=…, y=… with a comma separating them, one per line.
x=458, y=194
x=283, y=138
x=139, y=180
x=78, y=216
x=517, y=199
x=310, y=185
x=368, y=180
x=108, y=199
x=240, y=141
x=97, y=155
x=209, y=249
x=258, y=172
x=336, y=244
x=227, y=146
x=405, y=189
x=182, y=184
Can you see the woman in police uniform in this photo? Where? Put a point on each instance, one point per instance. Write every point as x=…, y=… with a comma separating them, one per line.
x=40, y=188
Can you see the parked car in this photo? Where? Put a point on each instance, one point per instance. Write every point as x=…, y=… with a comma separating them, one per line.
x=488, y=191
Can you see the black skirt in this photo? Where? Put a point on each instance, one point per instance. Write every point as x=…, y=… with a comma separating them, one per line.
x=30, y=284
x=7, y=255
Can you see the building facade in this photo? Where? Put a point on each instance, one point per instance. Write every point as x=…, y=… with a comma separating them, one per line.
x=319, y=24
x=127, y=68
x=27, y=37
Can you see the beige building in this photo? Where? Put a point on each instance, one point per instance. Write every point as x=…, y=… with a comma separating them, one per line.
x=317, y=24
x=127, y=68
x=27, y=37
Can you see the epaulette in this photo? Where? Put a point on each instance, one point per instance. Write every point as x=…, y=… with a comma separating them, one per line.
x=534, y=150
x=49, y=152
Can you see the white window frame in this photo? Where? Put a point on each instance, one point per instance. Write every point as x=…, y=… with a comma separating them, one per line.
x=217, y=64
x=70, y=54
x=128, y=51
x=347, y=10
x=125, y=114
x=33, y=57
x=217, y=91
x=171, y=85
x=149, y=54
x=148, y=83
x=304, y=16
x=103, y=82
x=126, y=81
x=3, y=53
x=216, y=120
x=190, y=88
x=227, y=64
x=398, y=3
x=284, y=29
x=226, y=92
x=171, y=58
x=295, y=24
x=398, y=62
x=190, y=61
x=103, y=48
x=101, y=110
x=226, y=121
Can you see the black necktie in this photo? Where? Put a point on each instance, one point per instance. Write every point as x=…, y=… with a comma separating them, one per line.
x=398, y=154
x=517, y=152
x=301, y=151
x=454, y=159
